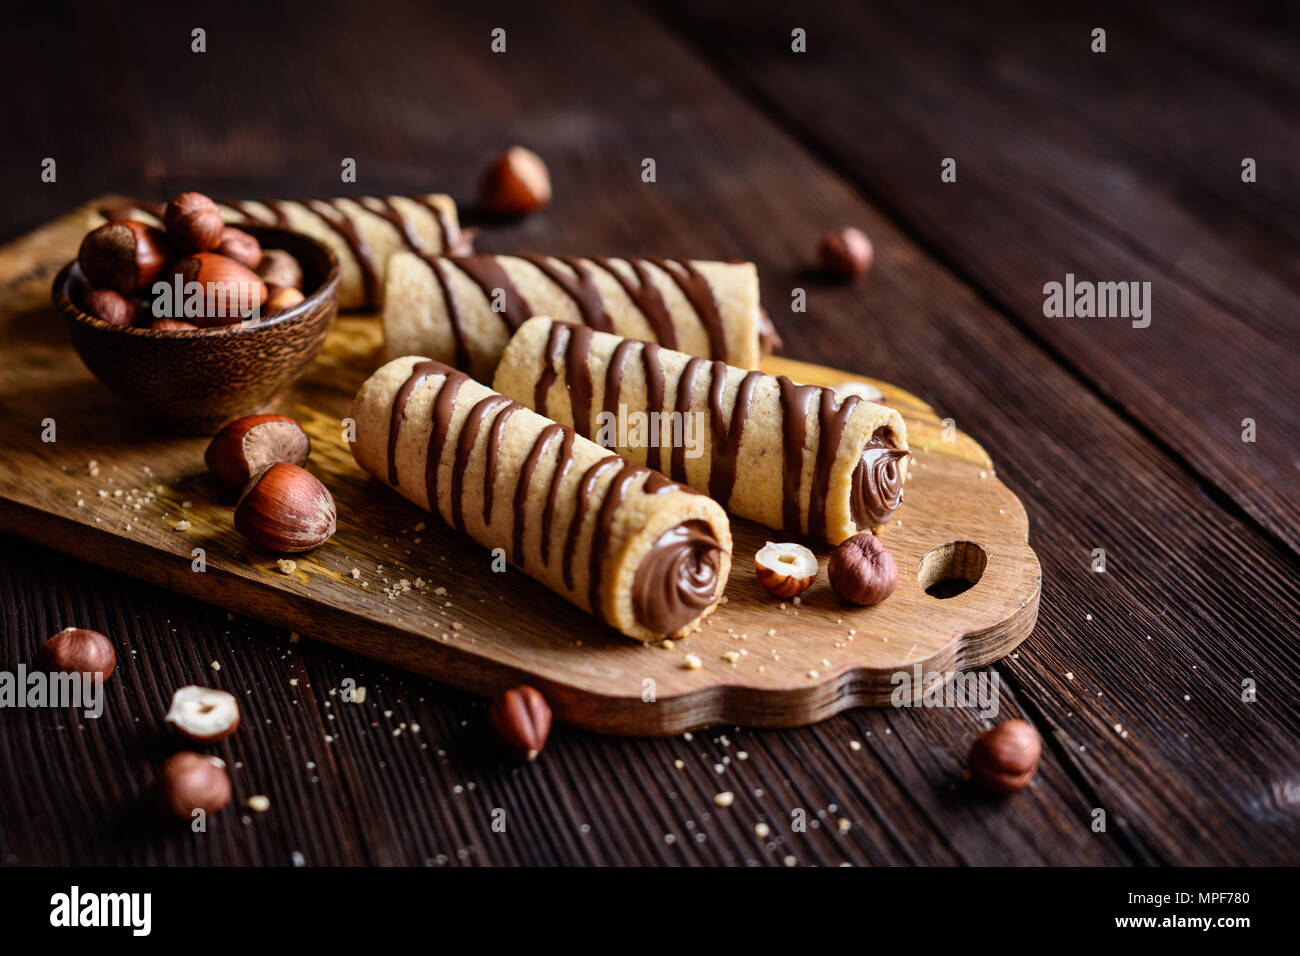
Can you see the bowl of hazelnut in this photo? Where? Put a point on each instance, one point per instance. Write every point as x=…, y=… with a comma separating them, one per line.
x=198, y=323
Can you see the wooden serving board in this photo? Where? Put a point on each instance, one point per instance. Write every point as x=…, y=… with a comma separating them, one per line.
x=111, y=490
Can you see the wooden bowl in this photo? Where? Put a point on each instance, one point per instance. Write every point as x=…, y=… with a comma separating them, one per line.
x=193, y=381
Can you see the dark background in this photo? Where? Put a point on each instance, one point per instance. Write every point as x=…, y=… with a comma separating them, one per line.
x=1123, y=166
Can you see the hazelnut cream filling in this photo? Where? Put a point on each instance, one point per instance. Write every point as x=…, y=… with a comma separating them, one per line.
x=877, y=487
x=677, y=579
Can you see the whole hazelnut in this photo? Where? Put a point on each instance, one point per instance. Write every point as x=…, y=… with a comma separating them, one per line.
x=203, y=714
x=862, y=571
x=279, y=268
x=124, y=256
x=516, y=184
x=1005, y=758
x=248, y=445
x=111, y=307
x=193, y=223
x=240, y=246
x=286, y=509
x=231, y=291
x=76, y=650
x=846, y=252
x=522, y=721
x=785, y=569
x=283, y=299
x=172, y=325
x=189, y=782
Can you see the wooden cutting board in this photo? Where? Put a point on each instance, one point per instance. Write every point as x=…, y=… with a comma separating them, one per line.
x=111, y=490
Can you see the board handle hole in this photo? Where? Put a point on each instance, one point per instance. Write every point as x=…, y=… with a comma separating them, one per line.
x=952, y=569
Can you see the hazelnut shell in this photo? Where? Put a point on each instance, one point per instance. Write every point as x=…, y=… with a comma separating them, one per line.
x=846, y=252
x=521, y=719
x=124, y=255
x=862, y=571
x=1005, y=759
x=286, y=509
x=189, y=781
x=248, y=445
x=240, y=246
x=77, y=650
x=517, y=183
x=193, y=223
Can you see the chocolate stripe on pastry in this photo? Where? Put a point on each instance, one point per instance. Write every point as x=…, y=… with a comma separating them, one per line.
x=710, y=309
x=642, y=553
x=793, y=457
x=364, y=232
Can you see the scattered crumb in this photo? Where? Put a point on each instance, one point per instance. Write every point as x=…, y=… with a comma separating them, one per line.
x=813, y=673
x=666, y=644
x=259, y=803
x=692, y=662
x=356, y=574
x=286, y=565
x=1069, y=675
x=724, y=798
x=844, y=825
x=215, y=665
x=731, y=657
x=855, y=745
x=181, y=525
x=761, y=830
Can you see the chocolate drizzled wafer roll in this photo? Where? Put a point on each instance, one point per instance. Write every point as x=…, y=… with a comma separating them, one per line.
x=793, y=457
x=462, y=310
x=645, y=554
x=364, y=232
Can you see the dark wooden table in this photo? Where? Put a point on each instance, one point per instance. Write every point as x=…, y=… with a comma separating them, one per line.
x=1122, y=166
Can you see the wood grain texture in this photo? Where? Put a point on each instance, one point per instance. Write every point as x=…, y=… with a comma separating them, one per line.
x=1112, y=181
x=1201, y=776
x=427, y=599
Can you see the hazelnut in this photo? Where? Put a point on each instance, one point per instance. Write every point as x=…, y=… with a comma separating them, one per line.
x=172, y=325
x=516, y=184
x=240, y=246
x=283, y=299
x=189, y=782
x=248, y=445
x=111, y=307
x=846, y=252
x=1005, y=758
x=286, y=509
x=280, y=269
x=193, y=223
x=76, y=650
x=203, y=714
x=124, y=256
x=862, y=571
x=785, y=569
x=522, y=721
x=231, y=291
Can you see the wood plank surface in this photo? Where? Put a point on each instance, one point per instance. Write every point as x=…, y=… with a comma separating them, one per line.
x=1130, y=170
x=116, y=490
x=1200, y=777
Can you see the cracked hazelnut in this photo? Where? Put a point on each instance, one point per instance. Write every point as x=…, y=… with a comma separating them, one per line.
x=522, y=721
x=862, y=571
x=846, y=252
x=203, y=714
x=111, y=307
x=517, y=183
x=1005, y=758
x=785, y=569
x=193, y=223
x=189, y=782
x=278, y=269
x=286, y=509
x=76, y=650
x=240, y=246
x=248, y=445
x=124, y=256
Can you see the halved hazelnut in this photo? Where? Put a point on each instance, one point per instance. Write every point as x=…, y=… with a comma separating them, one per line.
x=247, y=445
x=785, y=569
x=203, y=713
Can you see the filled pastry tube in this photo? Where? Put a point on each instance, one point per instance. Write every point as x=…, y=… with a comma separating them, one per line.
x=793, y=457
x=646, y=555
x=462, y=309
x=364, y=232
